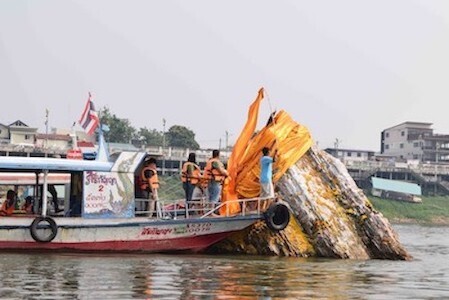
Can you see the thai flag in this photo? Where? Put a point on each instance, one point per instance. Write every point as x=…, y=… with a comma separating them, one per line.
x=89, y=119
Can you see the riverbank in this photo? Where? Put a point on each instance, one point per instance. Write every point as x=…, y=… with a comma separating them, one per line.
x=432, y=210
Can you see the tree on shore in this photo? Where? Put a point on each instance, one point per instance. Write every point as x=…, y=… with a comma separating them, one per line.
x=150, y=137
x=181, y=136
x=121, y=131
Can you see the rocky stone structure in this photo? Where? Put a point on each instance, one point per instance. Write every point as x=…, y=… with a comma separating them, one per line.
x=330, y=216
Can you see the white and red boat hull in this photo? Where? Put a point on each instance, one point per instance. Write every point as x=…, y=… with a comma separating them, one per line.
x=127, y=235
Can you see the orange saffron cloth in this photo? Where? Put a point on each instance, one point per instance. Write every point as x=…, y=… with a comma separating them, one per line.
x=290, y=139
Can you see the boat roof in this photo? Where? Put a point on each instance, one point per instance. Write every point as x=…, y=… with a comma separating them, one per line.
x=33, y=164
x=126, y=162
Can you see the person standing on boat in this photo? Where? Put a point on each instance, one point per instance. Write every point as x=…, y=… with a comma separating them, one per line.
x=54, y=197
x=190, y=176
x=215, y=173
x=266, y=174
x=9, y=205
x=150, y=185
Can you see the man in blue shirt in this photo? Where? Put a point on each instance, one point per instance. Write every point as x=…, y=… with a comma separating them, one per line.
x=266, y=174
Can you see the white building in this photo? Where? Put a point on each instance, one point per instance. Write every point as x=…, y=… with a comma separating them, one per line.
x=346, y=155
x=21, y=134
x=415, y=141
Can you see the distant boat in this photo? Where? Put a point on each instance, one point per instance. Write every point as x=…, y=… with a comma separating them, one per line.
x=396, y=190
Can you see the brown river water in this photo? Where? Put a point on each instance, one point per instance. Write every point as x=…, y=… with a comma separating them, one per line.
x=151, y=276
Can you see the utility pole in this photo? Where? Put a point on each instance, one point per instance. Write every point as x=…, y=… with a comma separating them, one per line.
x=226, y=143
x=336, y=144
x=163, y=146
x=437, y=145
x=46, y=130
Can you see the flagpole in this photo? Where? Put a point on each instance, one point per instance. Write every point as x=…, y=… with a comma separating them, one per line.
x=46, y=132
x=74, y=138
x=103, y=152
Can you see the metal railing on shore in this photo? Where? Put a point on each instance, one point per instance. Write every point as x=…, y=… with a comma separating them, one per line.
x=421, y=168
x=177, y=154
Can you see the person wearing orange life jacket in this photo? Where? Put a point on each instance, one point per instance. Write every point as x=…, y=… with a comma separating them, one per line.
x=150, y=185
x=190, y=176
x=216, y=174
x=9, y=205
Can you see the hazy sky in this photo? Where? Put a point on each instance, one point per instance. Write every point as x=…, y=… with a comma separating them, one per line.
x=344, y=69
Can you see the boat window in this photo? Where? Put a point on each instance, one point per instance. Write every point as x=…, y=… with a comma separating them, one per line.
x=27, y=185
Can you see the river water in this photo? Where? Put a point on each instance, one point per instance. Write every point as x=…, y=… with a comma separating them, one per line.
x=66, y=276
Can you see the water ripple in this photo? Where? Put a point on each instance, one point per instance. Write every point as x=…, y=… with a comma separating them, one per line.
x=57, y=276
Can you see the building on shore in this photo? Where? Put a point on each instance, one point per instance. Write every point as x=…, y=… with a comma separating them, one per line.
x=410, y=152
x=18, y=139
x=415, y=141
x=362, y=165
x=350, y=154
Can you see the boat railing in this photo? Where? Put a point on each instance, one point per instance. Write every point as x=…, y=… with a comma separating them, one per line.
x=201, y=208
x=249, y=206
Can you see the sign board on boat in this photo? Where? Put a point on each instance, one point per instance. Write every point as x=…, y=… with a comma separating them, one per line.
x=108, y=195
x=111, y=194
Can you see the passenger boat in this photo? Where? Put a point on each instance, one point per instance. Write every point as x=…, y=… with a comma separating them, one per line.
x=100, y=211
x=103, y=211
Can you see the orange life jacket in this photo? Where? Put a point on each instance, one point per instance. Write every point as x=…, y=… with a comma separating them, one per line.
x=152, y=181
x=211, y=173
x=6, y=210
x=193, y=178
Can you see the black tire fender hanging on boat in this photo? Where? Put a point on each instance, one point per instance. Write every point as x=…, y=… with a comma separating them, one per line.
x=34, y=226
x=277, y=216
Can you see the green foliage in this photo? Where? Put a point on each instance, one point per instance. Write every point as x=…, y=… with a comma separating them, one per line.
x=431, y=210
x=120, y=130
x=150, y=137
x=180, y=136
